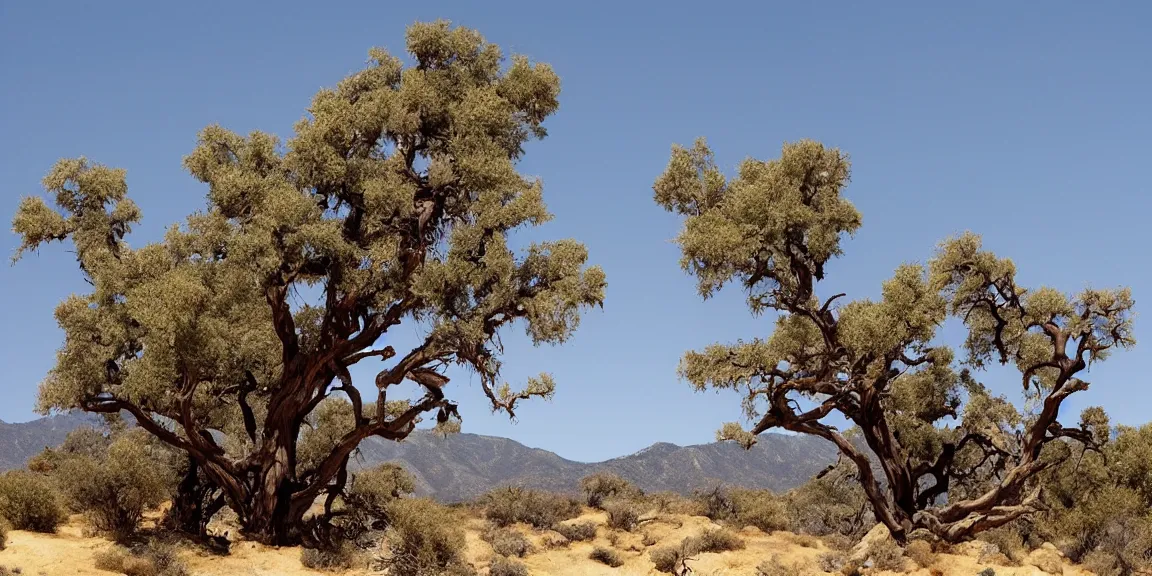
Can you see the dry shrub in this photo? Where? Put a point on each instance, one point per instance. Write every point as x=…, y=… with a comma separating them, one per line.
x=989, y=571
x=336, y=557
x=838, y=542
x=368, y=494
x=887, y=555
x=30, y=502
x=577, y=531
x=512, y=504
x=602, y=486
x=921, y=553
x=744, y=507
x=554, y=541
x=606, y=556
x=506, y=567
x=507, y=542
x=832, y=562
x=673, y=503
x=110, y=560
x=423, y=537
x=152, y=559
x=3, y=533
x=648, y=540
x=623, y=514
x=1009, y=542
x=114, y=490
x=804, y=540
x=716, y=540
x=669, y=559
x=777, y=567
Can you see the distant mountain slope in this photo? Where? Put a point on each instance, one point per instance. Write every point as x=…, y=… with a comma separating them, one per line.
x=463, y=466
x=21, y=441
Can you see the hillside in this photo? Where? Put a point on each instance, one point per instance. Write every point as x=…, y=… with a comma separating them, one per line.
x=462, y=466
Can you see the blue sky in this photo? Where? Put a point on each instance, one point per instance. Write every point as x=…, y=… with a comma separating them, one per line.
x=1027, y=126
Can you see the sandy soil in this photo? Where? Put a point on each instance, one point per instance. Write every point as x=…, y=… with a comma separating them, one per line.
x=70, y=553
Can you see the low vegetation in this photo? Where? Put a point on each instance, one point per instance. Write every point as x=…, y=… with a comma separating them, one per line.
x=29, y=501
x=577, y=531
x=423, y=537
x=606, y=556
x=512, y=504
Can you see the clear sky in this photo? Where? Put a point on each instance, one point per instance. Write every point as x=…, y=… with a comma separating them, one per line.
x=1025, y=122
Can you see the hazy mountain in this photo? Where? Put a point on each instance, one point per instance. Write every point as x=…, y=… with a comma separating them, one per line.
x=463, y=466
x=21, y=441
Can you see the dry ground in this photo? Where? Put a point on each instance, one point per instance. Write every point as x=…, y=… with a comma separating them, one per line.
x=70, y=553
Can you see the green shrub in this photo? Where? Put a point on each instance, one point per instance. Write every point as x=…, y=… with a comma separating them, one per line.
x=577, y=531
x=506, y=567
x=423, y=537
x=716, y=540
x=337, y=557
x=30, y=502
x=512, y=504
x=601, y=486
x=623, y=514
x=114, y=490
x=507, y=542
x=606, y=556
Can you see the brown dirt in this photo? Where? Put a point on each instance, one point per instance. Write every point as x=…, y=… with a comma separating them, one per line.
x=70, y=553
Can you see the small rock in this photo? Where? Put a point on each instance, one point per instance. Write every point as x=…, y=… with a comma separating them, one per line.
x=1047, y=560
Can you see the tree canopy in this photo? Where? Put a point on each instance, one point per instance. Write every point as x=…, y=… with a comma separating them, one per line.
x=955, y=459
x=393, y=201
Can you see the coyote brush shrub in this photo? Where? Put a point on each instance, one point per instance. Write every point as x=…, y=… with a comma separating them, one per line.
x=29, y=502
x=606, y=556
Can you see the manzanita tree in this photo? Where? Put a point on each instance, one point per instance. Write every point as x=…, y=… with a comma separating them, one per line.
x=393, y=202
x=955, y=460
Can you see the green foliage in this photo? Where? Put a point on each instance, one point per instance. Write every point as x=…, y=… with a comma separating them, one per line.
x=423, y=537
x=115, y=488
x=512, y=504
x=507, y=542
x=30, y=502
x=338, y=557
x=397, y=196
x=1098, y=509
x=606, y=556
x=772, y=229
x=577, y=531
x=600, y=486
x=502, y=566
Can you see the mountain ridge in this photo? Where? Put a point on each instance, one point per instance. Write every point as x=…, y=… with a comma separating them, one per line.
x=463, y=466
